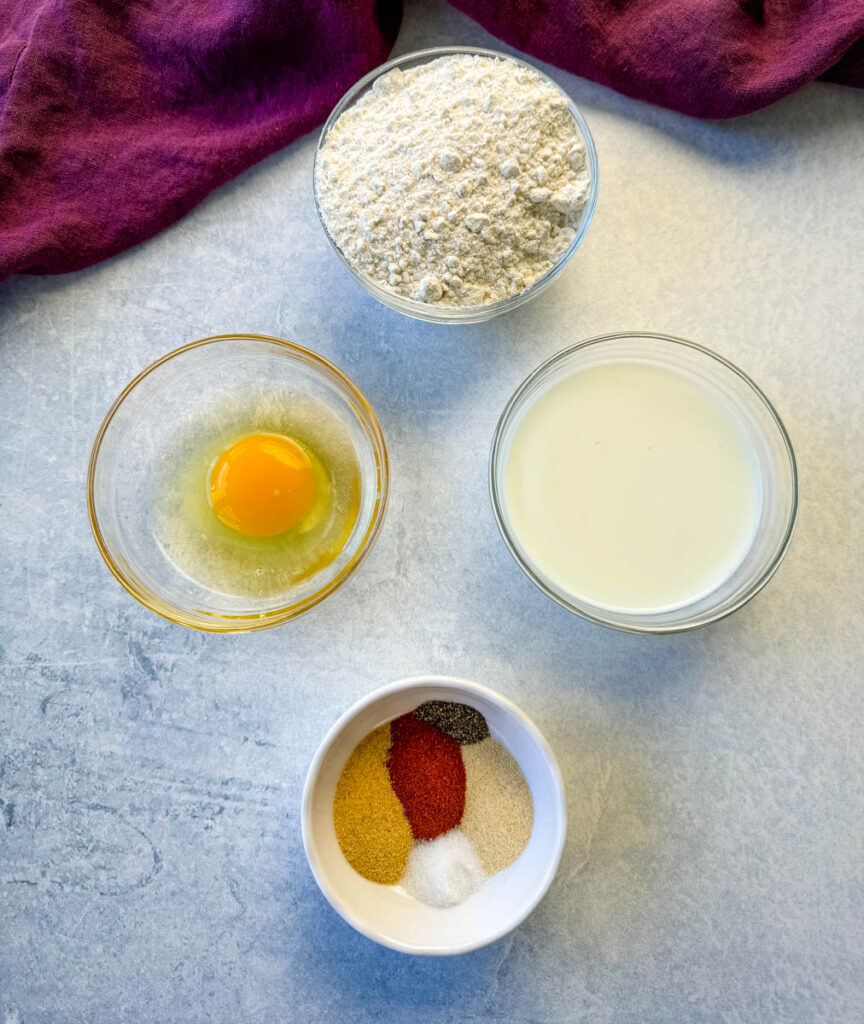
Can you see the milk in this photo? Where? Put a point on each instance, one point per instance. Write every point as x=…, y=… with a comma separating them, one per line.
x=632, y=487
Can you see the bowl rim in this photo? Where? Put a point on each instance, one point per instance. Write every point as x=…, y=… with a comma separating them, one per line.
x=219, y=623
x=647, y=629
x=459, y=314
x=466, y=688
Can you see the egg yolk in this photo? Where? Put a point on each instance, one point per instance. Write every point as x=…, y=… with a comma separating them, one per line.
x=262, y=485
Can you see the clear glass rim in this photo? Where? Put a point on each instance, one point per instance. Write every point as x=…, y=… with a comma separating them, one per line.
x=592, y=613
x=213, y=622
x=458, y=314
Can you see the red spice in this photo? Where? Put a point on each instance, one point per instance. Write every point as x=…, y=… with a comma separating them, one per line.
x=428, y=775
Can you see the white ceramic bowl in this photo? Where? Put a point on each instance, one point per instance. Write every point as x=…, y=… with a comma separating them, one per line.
x=384, y=913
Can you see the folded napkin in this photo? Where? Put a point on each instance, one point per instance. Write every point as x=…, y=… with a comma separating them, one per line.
x=118, y=116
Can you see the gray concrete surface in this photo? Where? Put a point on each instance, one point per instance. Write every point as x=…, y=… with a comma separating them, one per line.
x=151, y=867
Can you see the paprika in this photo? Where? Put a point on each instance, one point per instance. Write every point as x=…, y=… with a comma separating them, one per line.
x=427, y=773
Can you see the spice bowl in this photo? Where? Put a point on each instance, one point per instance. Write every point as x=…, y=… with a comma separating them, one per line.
x=386, y=913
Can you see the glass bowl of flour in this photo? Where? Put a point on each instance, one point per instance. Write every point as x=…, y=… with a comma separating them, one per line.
x=455, y=183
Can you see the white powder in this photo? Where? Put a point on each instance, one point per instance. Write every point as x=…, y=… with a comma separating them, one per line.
x=444, y=871
x=457, y=182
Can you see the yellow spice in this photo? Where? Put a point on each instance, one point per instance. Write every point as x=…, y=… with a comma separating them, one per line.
x=371, y=826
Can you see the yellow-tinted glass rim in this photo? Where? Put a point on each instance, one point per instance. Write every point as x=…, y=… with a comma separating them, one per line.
x=221, y=623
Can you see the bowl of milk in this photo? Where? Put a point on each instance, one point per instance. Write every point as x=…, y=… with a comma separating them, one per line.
x=644, y=482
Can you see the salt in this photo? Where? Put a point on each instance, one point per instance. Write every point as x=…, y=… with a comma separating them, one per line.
x=444, y=871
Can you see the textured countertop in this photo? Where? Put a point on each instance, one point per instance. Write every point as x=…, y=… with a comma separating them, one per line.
x=151, y=866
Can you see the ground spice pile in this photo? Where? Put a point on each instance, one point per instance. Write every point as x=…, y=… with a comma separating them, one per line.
x=499, y=811
x=433, y=802
x=428, y=775
x=371, y=826
x=465, y=724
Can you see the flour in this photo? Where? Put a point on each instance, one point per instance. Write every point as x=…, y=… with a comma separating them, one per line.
x=458, y=182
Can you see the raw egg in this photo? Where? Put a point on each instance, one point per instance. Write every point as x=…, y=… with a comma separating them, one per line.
x=263, y=485
x=255, y=498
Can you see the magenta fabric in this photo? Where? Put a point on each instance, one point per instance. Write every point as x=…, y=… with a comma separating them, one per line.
x=708, y=58
x=118, y=116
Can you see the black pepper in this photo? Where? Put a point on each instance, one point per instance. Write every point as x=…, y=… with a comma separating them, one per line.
x=465, y=724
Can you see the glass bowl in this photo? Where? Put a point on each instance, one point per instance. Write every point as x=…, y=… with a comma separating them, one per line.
x=171, y=396
x=457, y=314
x=753, y=412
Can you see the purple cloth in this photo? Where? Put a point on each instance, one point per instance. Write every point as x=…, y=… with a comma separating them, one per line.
x=118, y=116
x=708, y=58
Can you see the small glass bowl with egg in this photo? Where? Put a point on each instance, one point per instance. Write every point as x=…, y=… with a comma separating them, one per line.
x=237, y=482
